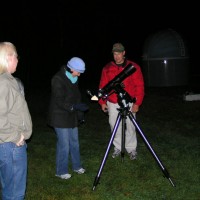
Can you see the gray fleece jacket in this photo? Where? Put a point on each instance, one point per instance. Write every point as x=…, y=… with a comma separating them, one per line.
x=15, y=118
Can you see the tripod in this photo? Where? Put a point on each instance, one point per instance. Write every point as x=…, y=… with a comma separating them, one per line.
x=123, y=100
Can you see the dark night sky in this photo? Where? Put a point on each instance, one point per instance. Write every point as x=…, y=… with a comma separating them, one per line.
x=46, y=36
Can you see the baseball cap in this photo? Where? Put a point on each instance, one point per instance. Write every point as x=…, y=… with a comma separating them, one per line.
x=118, y=47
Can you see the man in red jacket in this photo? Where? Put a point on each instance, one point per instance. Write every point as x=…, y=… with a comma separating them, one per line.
x=134, y=86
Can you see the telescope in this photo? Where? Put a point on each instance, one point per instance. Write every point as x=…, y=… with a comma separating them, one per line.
x=116, y=81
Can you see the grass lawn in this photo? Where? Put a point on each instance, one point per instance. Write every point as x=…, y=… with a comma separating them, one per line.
x=170, y=125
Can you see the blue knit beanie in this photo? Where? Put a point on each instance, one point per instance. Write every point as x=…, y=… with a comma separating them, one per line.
x=76, y=64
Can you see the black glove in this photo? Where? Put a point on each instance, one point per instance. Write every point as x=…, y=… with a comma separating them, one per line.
x=80, y=107
x=81, y=117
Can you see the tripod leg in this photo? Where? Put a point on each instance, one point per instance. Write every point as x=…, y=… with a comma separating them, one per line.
x=96, y=181
x=164, y=170
x=123, y=137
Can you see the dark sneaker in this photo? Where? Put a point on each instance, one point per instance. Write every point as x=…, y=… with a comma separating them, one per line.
x=116, y=152
x=133, y=155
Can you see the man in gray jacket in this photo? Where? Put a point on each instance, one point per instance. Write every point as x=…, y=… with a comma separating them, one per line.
x=15, y=127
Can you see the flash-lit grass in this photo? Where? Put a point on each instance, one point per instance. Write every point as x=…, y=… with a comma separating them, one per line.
x=170, y=125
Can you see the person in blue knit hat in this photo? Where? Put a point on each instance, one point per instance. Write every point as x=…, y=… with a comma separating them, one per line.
x=63, y=115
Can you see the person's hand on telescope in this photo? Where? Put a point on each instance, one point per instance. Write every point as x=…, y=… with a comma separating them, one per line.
x=104, y=108
x=135, y=108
